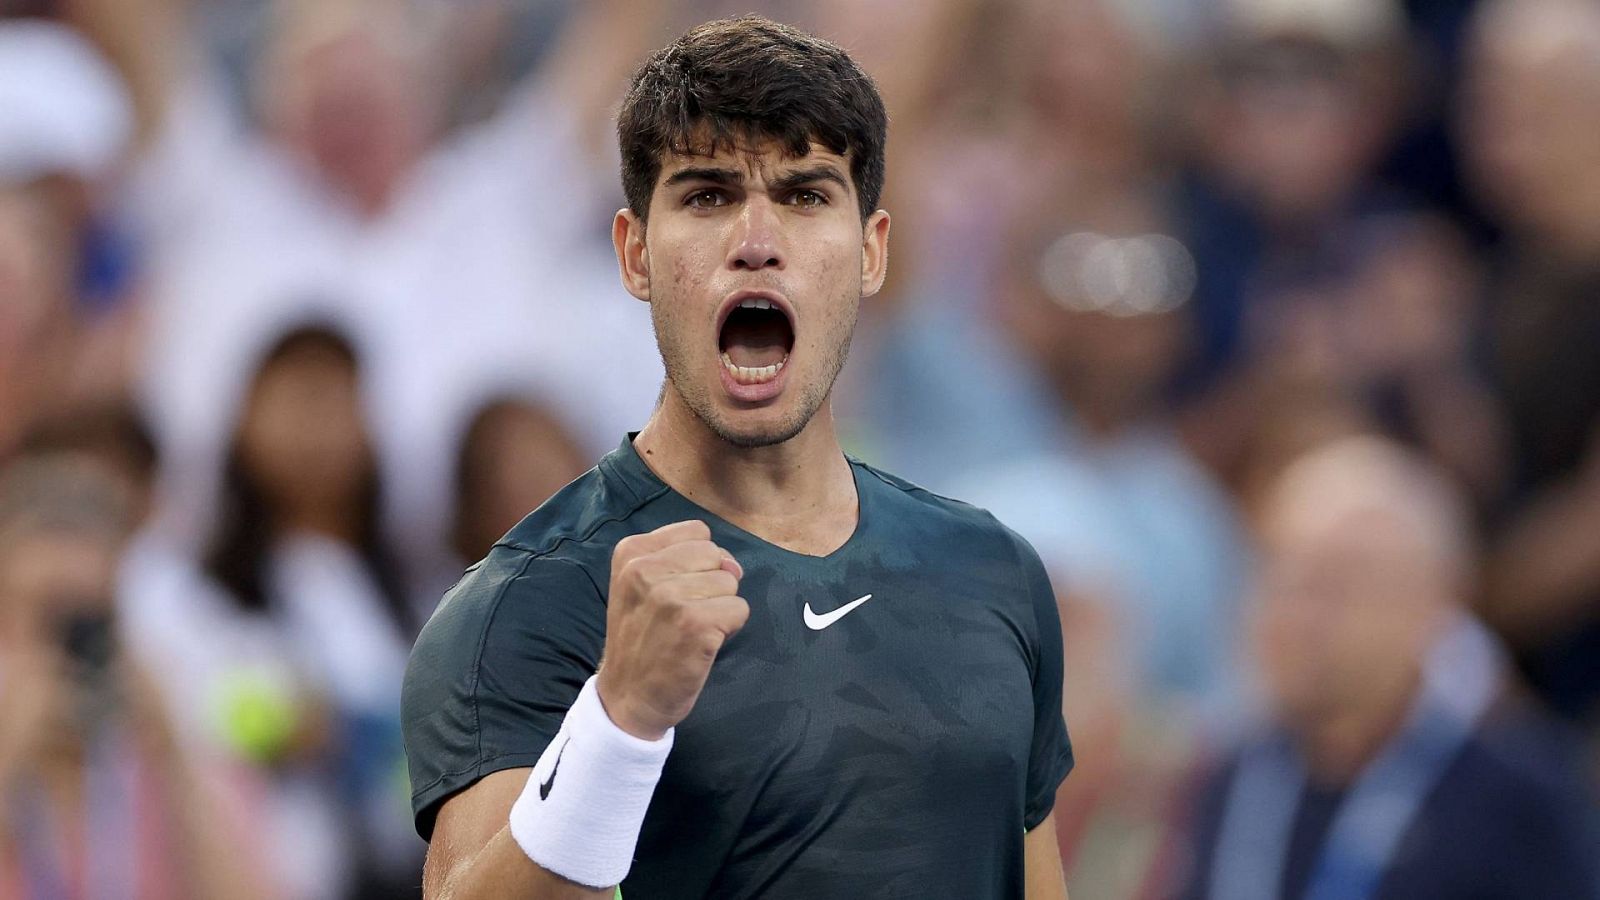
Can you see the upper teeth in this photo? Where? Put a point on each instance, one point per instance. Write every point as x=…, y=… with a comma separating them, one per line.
x=755, y=303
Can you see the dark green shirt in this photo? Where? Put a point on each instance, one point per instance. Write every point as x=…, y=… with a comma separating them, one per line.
x=899, y=751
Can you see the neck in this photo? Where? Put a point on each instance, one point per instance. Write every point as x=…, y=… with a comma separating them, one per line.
x=799, y=494
x=1339, y=746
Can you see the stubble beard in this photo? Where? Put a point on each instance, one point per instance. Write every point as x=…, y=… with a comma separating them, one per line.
x=697, y=397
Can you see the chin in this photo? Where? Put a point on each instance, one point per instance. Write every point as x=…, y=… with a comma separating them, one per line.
x=749, y=435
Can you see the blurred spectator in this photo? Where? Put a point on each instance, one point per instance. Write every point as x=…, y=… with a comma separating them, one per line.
x=1143, y=544
x=1290, y=108
x=1398, y=762
x=1532, y=90
x=283, y=652
x=65, y=124
x=514, y=456
x=1014, y=105
x=299, y=548
x=1115, y=502
x=458, y=258
x=99, y=797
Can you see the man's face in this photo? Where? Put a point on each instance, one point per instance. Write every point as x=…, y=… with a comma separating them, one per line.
x=1346, y=605
x=754, y=265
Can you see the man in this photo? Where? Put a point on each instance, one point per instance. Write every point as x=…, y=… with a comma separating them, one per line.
x=1399, y=764
x=859, y=682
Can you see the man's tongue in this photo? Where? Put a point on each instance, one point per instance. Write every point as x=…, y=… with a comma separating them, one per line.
x=756, y=344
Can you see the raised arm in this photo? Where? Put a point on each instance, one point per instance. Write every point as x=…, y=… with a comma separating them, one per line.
x=567, y=827
x=143, y=39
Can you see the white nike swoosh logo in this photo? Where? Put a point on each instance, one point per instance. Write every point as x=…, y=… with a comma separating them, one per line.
x=817, y=623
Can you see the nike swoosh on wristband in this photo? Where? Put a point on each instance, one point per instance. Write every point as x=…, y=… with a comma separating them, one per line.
x=544, y=789
x=817, y=623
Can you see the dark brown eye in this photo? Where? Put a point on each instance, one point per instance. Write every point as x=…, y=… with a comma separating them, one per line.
x=808, y=199
x=705, y=199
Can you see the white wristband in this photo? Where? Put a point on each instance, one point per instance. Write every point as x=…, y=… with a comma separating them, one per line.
x=579, y=814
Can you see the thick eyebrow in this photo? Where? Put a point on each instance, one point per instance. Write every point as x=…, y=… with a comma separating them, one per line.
x=711, y=175
x=822, y=172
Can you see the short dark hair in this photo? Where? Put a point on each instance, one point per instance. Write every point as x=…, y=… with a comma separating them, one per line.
x=112, y=430
x=745, y=80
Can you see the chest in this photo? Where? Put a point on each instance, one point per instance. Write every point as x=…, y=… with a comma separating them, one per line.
x=881, y=677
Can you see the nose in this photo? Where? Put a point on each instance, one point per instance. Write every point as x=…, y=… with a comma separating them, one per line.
x=757, y=240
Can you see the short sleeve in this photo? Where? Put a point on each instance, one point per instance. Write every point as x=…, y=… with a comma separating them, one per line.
x=494, y=672
x=1050, y=758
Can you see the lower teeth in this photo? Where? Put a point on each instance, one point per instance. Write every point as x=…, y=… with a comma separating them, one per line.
x=753, y=374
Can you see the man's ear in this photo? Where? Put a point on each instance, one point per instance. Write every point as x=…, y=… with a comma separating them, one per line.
x=627, y=238
x=874, y=252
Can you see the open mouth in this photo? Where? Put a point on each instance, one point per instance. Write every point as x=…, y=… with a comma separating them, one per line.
x=755, y=340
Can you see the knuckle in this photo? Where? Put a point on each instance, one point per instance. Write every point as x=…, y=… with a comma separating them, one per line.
x=626, y=549
x=638, y=575
x=710, y=644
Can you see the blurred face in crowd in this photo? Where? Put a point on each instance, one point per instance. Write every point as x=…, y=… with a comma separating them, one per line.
x=1101, y=316
x=63, y=518
x=1352, y=589
x=1085, y=65
x=516, y=456
x=754, y=263
x=350, y=96
x=303, y=439
x=47, y=577
x=1292, y=124
x=1528, y=115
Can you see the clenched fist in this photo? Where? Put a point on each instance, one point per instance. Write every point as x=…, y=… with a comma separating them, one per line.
x=674, y=601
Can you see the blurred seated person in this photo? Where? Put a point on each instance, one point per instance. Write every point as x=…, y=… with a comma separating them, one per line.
x=515, y=454
x=299, y=550
x=1310, y=267
x=1291, y=106
x=284, y=650
x=1533, y=73
x=456, y=256
x=98, y=797
x=1398, y=761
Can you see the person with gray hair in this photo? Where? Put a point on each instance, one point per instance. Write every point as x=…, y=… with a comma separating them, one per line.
x=1397, y=760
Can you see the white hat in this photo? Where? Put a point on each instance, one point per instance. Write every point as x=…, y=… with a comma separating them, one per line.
x=63, y=109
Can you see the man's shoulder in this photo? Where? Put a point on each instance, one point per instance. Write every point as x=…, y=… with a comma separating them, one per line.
x=913, y=505
x=594, y=510
x=560, y=551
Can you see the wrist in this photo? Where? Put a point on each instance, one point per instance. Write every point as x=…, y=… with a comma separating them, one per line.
x=580, y=813
x=629, y=716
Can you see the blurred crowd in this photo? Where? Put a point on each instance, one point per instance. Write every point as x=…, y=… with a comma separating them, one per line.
x=1274, y=325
